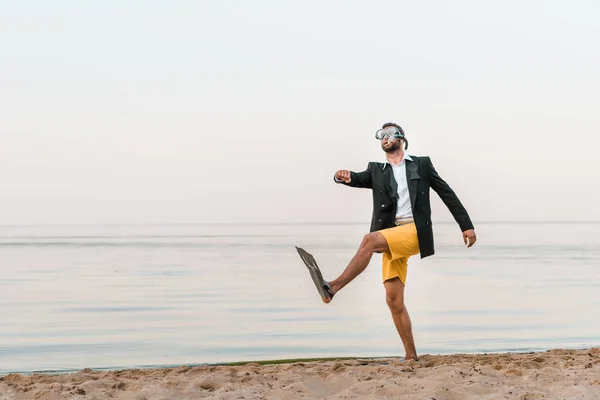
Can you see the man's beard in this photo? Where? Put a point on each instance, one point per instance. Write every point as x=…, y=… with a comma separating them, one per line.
x=391, y=148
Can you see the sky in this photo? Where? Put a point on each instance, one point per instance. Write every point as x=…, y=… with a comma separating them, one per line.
x=241, y=111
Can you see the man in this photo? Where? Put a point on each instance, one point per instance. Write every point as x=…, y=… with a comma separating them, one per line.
x=400, y=226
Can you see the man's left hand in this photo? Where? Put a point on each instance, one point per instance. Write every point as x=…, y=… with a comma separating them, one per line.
x=469, y=237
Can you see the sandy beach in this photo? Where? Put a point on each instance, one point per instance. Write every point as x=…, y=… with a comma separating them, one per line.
x=554, y=374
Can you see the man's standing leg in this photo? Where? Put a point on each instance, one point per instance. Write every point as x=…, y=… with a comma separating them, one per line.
x=394, y=295
x=403, y=243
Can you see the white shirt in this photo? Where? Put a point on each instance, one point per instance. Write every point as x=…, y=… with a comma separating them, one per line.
x=404, y=209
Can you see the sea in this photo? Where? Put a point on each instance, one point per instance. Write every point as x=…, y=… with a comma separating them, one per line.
x=135, y=296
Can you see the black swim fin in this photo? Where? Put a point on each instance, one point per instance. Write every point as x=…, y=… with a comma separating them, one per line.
x=315, y=273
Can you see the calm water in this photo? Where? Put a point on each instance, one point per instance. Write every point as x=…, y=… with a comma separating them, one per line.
x=123, y=296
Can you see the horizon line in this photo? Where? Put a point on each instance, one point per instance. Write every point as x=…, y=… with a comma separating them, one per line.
x=285, y=223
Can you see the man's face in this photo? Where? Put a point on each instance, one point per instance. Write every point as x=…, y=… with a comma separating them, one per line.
x=389, y=145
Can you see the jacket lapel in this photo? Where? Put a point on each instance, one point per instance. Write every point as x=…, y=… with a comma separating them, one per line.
x=412, y=179
x=393, y=185
x=389, y=180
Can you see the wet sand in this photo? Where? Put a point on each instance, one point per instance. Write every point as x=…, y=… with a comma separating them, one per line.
x=554, y=374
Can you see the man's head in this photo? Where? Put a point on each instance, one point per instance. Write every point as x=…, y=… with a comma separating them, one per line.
x=392, y=137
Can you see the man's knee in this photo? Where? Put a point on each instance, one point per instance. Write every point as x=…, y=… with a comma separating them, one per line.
x=394, y=295
x=373, y=242
x=395, y=302
x=368, y=242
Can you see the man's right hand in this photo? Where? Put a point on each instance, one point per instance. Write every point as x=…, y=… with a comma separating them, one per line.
x=343, y=175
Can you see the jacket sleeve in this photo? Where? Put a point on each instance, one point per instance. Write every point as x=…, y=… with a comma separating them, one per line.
x=449, y=198
x=358, y=179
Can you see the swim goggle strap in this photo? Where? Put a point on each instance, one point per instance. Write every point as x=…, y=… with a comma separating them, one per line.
x=391, y=133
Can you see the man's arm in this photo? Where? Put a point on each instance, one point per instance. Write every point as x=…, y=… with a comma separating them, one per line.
x=354, y=179
x=450, y=199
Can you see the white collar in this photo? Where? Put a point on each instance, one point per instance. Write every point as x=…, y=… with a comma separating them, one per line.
x=406, y=157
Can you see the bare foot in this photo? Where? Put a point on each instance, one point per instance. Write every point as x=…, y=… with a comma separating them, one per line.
x=331, y=292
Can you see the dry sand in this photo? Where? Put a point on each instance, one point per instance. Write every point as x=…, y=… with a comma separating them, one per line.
x=555, y=374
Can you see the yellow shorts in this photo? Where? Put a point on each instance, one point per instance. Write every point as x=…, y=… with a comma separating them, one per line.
x=403, y=243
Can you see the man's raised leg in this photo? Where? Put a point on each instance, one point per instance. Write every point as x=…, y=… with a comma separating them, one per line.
x=394, y=290
x=372, y=243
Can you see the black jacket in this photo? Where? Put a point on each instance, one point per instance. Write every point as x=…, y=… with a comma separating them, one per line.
x=420, y=176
